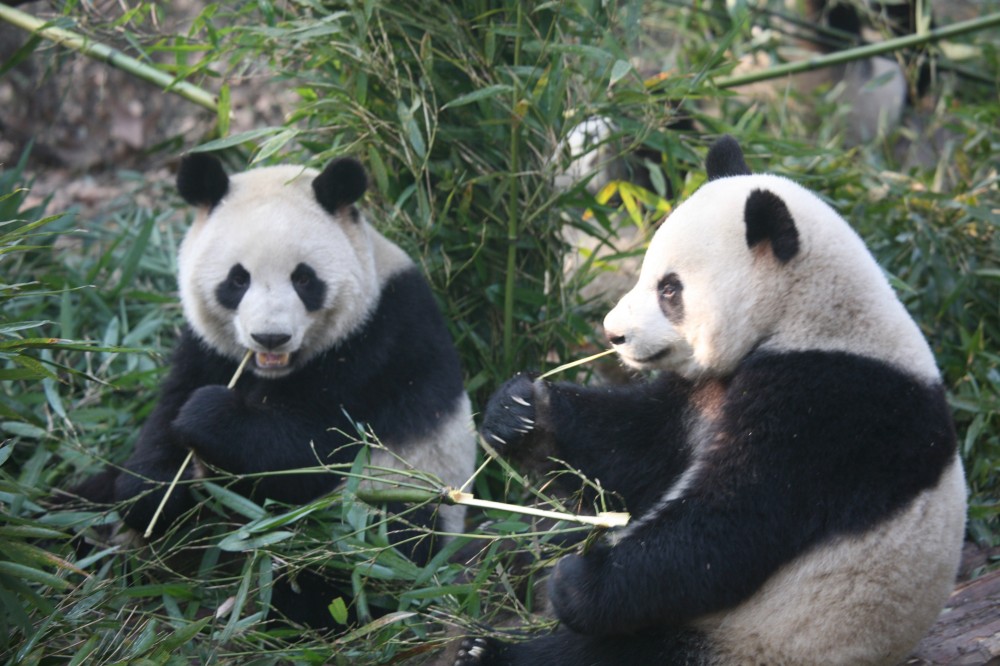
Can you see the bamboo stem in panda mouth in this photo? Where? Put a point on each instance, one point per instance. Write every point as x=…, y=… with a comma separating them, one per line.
x=190, y=455
x=573, y=364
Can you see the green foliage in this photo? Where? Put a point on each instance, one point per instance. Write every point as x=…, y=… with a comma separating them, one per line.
x=458, y=111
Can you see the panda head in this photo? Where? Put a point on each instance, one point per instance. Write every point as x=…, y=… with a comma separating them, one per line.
x=753, y=261
x=278, y=260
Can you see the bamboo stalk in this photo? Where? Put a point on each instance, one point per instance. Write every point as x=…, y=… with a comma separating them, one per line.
x=512, y=208
x=862, y=52
x=109, y=55
x=573, y=364
x=604, y=519
x=188, y=458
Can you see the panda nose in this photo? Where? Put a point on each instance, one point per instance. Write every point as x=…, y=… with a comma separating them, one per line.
x=615, y=338
x=271, y=340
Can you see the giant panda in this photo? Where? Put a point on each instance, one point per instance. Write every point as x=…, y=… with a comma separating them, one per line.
x=346, y=337
x=790, y=467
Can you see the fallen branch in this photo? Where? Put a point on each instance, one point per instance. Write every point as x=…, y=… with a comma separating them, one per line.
x=862, y=52
x=109, y=55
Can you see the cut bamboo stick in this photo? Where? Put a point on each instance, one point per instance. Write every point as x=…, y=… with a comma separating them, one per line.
x=190, y=455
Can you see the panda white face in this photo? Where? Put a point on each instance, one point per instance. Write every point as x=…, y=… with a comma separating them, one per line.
x=757, y=261
x=704, y=298
x=268, y=268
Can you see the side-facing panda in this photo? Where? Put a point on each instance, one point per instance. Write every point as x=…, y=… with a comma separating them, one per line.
x=344, y=331
x=791, y=469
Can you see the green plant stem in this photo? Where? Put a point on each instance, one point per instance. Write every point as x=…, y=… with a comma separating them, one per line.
x=109, y=55
x=408, y=495
x=862, y=52
x=512, y=208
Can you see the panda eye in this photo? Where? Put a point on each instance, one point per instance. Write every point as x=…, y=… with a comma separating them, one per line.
x=230, y=291
x=303, y=276
x=670, y=287
x=309, y=286
x=671, y=301
x=238, y=277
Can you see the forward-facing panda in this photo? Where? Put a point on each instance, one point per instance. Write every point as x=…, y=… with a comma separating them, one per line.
x=791, y=469
x=344, y=331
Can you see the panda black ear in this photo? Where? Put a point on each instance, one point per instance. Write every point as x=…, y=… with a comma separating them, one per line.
x=201, y=180
x=725, y=158
x=341, y=183
x=768, y=219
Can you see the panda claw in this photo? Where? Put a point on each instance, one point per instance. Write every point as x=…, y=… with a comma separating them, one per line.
x=526, y=420
x=498, y=439
x=521, y=401
x=473, y=652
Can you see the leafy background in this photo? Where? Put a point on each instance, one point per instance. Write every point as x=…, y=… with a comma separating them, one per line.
x=458, y=110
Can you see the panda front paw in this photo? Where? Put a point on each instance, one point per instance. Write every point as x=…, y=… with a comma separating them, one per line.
x=510, y=416
x=206, y=418
x=477, y=652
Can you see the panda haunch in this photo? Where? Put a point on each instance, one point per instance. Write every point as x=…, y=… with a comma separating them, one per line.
x=792, y=471
x=344, y=330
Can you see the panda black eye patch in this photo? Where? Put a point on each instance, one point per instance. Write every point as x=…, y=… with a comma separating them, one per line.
x=311, y=289
x=669, y=291
x=230, y=291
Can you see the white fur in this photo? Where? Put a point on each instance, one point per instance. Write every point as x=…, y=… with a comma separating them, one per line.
x=448, y=454
x=871, y=612
x=270, y=222
x=831, y=296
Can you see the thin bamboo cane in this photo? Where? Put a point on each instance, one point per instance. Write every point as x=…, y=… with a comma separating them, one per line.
x=189, y=457
x=862, y=52
x=111, y=56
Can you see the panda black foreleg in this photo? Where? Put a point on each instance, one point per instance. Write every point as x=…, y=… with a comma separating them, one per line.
x=246, y=439
x=601, y=431
x=568, y=648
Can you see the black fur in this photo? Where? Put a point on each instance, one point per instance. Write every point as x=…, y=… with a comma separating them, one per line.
x=310, y=288
x=725, y=158
x=768, y=219
x=394, y=375
x=670, y=293
x=230, y=291
x=670, y=648
x=341, y=183
x=807, y=446
x=201, y=180
x=604, y=430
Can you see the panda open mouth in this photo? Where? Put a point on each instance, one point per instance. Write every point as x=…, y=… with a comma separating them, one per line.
x=272, y=360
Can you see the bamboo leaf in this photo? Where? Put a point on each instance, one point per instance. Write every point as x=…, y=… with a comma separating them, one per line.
x=619, y=71
x=238, y=139
x=488, y=92
x=234, y=501
x=32, y=574
x=241, y=542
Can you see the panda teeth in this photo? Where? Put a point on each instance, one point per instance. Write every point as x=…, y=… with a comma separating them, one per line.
x=269, y=360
